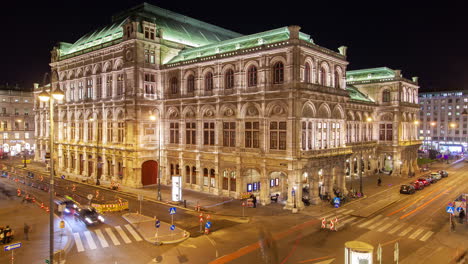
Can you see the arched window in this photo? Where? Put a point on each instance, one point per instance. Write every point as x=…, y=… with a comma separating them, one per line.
x=174, y=86
x=386, y=96
x=278, y=72
x=209, y=81
x=307, y=73
x=323, y=76
x=229, y=79
x=190, y=84
x=337, y=79
x=252, y=76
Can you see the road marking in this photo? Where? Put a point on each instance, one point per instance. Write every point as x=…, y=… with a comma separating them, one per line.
x=112, y=236
x=426, y=236
x=101, y=238
x=424, y=204
x=123, y=235
x=406, y=231
x=393, y=230
x=415, y=201
x=133, y=232
x=348, y=220
x=345, y=211
x=377, y=224
x=416, y=234
x=385, y=227
x=90, y=240
x=370, y=221
x=78, y=243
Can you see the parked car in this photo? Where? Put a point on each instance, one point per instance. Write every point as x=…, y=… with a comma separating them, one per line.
x=443, y=173
x=417, y=185
x=428, y=178
x=407, y=189
x=423, y=181
x=89, y=215
x=436, y=176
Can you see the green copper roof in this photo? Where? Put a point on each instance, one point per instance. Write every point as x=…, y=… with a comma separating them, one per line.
x=355, y=94
x=248, y=41
x=176, y=27
x=370, y=74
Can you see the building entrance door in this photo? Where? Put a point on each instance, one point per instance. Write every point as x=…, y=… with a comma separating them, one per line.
x=149, y=172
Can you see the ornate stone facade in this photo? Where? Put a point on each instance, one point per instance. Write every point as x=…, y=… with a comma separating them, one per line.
x=264, y=113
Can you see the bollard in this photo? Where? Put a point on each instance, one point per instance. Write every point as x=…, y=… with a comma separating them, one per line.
x=185, y=203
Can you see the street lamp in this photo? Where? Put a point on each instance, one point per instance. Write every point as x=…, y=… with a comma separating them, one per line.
x=46, y=97
x=433, y=124
x=153, y=118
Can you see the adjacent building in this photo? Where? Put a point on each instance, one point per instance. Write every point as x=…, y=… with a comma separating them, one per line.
x=156, y=94
x=444, y=120
x=16, y=121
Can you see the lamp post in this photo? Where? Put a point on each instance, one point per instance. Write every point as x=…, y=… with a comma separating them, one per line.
x=433, y=124
x=153, y=118
x=46, y=97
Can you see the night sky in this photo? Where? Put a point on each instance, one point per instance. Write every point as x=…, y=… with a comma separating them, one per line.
x=426, y=40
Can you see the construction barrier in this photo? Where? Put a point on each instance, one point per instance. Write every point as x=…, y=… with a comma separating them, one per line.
x=111, y=207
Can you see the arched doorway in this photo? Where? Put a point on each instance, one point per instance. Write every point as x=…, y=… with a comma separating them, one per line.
x=149, y=172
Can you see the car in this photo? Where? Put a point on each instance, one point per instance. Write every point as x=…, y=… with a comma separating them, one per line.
x=89, y=215
x=70, y=206
x=423, y=181
x=436, y=176
x=429, y=178
x=417, y=185
x=443, y=173
x=407, y=189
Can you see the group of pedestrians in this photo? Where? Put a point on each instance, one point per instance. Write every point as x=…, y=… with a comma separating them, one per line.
x=6, y=234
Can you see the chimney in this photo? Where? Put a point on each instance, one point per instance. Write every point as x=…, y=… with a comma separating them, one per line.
x=342, y=50
x=415, y=79
x=397, y=73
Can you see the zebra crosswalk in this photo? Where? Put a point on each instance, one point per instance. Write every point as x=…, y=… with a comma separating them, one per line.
x=381, y=224
x=106, y=236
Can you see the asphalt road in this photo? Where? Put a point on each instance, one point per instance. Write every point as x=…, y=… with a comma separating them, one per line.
x=413, y=221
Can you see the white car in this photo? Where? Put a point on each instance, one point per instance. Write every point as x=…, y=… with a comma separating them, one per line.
x=436, y=176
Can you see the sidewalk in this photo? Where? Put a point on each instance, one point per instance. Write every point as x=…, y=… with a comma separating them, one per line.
x=36, y=249
x=163, y=235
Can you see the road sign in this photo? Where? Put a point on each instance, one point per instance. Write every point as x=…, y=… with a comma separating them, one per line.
x=12, y=246
x=450, y=209
x=450, y=204
x=62, y=224
x=90, y=196
x=172, y=210
x=61, y=207
x=208, y=224
x=158, y=223
x=172, y=227
x=140, y=197
x=336, y=200
x=459, y=209
x=293, y=192
x=337, y=205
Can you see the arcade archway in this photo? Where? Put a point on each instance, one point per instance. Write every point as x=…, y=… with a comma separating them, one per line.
x=149, y=172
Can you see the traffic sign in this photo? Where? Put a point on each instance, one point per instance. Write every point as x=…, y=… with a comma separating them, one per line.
x=172, y=210
x=90, y=196
x=337, y=205
x=140, y=197
x=61, y=207
x=336, y=200
x=12, y=246
x=62, y=224
x=172, y=227
x=158, y=223
x=450, y=209
x=208, y=224
x=293, y=192
x=459, y=209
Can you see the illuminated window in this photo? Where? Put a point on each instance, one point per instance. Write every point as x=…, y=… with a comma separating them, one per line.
x=225, y=180
x=229, y=79
x=98, y=87
x=232, y=184
x=90, y=131
x=252, y=76
x=120, y=84
x=209, y=81
x=278, y=73
x=109, y=85
x=150, y=83
x=80, y=90
x=110, y=130
x=89, y=88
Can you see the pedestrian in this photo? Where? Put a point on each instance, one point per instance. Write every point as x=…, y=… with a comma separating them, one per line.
x=379, y=181
x=462, y=215
x=390, y=172
x=26, y=230
x=254, y=201
x=7, y=235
